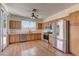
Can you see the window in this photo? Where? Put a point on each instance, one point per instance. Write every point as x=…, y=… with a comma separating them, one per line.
x=29, y=25
x=32, y=24
x=25, y=24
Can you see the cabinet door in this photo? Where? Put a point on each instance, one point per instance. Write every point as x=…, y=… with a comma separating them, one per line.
x=14, y=38
x=74, y=33
x=74, y=40
x=77, y=17
x=12, y=24
x=35, y=36
x=11, y=38
x=32, y=37
x=28, y=37
x=40, y=26
x=39, y=36
x=17, y=38
x=74, y=18
x=18, y=24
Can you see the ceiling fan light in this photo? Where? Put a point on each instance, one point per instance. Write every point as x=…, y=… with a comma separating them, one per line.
x=33, y=14
x=33, y=17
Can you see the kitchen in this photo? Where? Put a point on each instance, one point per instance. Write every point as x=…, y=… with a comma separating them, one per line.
x=54, y=33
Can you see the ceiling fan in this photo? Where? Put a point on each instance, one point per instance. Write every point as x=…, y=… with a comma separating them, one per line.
x=34, y=14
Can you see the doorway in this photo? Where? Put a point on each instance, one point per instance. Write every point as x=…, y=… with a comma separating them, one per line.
x=3, y=29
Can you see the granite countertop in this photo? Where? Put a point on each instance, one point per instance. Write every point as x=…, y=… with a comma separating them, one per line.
x=23, y=32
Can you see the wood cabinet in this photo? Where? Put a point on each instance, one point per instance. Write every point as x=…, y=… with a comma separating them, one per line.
x=11, y=24
x=33, y=36
x=74, y=33
x=18, y=24
x=17, y=38
x=14, y=24
x=40, y=26
x=28, y=37
x=50, y=39
x=39, y=36
x=74, y=19
x=11, y=39
x=14, y=38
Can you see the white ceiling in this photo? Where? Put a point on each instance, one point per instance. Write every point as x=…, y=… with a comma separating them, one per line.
x=45, y=9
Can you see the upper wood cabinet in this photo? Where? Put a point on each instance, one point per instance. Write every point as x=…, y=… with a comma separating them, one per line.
x=18, y=24
x=40, y=26
x=11, y=24
x=14, y=24
x=74, y=18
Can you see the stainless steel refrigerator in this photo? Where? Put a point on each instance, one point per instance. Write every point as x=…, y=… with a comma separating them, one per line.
x=61, y=35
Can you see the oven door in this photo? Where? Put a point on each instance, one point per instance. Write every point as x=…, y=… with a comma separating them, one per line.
x=46, y=36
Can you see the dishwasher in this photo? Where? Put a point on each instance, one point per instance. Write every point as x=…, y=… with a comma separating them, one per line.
x=22, y=38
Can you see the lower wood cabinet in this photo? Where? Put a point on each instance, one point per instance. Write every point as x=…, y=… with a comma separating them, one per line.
x=39, y=36
x=34, y=36
x=11, y=39
x=28, y=37
x=14, y=38
x=50, y=39
x=17, y=38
